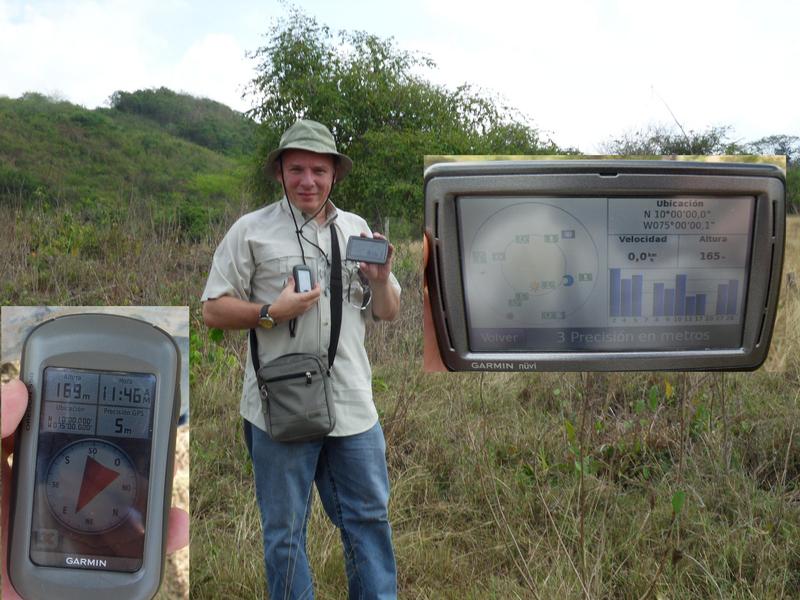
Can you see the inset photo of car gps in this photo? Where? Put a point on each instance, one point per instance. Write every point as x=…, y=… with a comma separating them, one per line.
x=603, y=264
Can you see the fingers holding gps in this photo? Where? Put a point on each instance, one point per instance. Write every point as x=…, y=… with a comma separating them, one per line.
x=14, y=403
x=432, y=360
x=178, y=529
x=291, y=304
x=374, y=255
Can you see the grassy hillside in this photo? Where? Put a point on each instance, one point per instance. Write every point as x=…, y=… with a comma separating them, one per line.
x=199, y=120
x=98, y=161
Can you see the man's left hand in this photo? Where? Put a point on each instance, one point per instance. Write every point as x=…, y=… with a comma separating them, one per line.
x=377, y=274
x=385, y=298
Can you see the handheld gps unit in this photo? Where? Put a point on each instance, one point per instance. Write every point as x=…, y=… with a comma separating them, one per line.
x=604, y=265
x=368, y=250
x=93, y=459
x=303, y=278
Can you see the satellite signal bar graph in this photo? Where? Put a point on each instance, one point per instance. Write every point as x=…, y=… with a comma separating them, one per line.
x=668, y=296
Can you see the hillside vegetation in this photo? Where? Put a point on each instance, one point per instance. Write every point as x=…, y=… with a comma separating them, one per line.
x=98, y=161
x=199, y=120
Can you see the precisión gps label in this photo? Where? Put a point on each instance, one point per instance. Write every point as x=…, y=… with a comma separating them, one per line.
x=93, y=459
x=604, y=265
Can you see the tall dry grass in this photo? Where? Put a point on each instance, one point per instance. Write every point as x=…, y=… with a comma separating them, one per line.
x=619, y=485
x=785, y=349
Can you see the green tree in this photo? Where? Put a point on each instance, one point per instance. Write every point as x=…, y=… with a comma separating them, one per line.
x=384, y=115
x=660, y=140
x=788, y=145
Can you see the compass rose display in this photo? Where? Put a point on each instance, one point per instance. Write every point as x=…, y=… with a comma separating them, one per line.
x=91, y=486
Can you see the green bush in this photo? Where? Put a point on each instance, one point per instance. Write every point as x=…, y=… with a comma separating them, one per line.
x=18, y=185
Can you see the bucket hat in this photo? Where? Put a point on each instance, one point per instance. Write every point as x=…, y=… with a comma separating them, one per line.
x=312, y=136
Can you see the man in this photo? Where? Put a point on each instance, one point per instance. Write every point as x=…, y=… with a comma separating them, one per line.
x=251, y=286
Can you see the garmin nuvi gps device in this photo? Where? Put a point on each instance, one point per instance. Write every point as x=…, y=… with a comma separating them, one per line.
x=368, y=250
x=93, y=459
x=604, y=265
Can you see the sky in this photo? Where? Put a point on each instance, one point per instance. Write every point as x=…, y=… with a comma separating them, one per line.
x=583, y=72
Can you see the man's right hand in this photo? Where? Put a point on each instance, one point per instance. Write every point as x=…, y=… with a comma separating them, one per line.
x=291, y=304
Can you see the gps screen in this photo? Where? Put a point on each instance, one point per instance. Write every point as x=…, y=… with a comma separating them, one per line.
x=565, y=274
x=93, y=469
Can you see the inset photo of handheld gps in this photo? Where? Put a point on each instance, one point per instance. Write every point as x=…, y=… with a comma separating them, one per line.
x=604, y=265
x=93, y=456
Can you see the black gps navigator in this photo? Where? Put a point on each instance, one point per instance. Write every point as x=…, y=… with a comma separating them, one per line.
x=604, y=265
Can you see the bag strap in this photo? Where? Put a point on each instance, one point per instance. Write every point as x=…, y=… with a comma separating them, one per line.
x=254, y=351
x=336, y=307
x=336, y=297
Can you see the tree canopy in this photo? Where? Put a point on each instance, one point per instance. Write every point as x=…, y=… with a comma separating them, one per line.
x=659, y=140
x=789, y=145
x=382, y=112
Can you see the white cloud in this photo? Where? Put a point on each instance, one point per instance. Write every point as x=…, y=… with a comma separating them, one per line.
x=86, y=50
x=590, y=70
x=214, y=67
x=581, y=69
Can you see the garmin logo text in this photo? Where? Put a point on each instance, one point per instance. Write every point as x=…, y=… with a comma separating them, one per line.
x=503, y=366
x=86, y=562
x=493, y=366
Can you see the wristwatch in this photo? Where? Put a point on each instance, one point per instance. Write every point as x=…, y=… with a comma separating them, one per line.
x=264, y=320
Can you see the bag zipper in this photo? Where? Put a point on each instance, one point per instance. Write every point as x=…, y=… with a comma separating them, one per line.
x=306, y=374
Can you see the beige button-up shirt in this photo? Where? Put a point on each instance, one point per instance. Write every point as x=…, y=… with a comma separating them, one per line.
x=253, y=262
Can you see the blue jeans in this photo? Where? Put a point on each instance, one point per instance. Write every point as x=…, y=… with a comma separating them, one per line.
x=351, y=478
